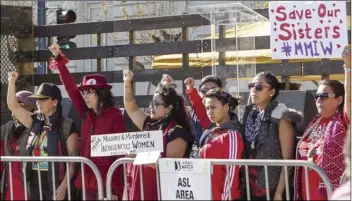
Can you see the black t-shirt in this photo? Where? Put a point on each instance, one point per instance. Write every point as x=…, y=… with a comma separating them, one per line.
x=177, y=132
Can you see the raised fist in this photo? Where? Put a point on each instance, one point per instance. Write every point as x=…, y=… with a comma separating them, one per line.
x=346, y=55
x=127, y=75
x=12, y=76
x=166, y=80
x=55, y=49
x=189, y=82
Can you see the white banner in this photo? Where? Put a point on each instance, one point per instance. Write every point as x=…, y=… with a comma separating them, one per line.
x=302, y=30
x=126, y=143
x=185, y=179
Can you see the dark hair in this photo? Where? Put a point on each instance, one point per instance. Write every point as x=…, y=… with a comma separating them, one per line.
x=224, y=97
x=337, y=87
x=211, y=78
x=170, y=97
x=105, y=99
x=57, y=124
x=272, y=81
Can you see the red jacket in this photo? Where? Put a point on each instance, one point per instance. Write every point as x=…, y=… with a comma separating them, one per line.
x=11, y=141
x=111, y=121
x=332, y=157
x=224, y=142
x=199, y=108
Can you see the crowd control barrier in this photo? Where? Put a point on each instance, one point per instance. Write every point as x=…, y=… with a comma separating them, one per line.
x=286, y=164
x=52, y=160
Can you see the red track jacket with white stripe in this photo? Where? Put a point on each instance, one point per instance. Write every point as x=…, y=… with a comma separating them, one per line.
x=224, y=142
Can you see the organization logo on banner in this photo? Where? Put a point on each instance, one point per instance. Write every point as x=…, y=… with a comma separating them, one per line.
x=184, y=165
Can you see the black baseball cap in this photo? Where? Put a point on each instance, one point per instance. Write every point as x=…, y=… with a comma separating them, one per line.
x=48, y=90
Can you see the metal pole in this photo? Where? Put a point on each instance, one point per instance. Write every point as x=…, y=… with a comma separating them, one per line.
x=41, y=20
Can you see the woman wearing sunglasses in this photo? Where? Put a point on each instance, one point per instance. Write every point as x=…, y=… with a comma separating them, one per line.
x=322, y=141
x=269, y=134
x=167, y=113
x=223, y=141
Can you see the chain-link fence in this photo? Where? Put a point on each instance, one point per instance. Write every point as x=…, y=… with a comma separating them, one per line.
x=13, y=41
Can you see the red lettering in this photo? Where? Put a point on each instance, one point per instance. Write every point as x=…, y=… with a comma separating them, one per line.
x=301, y=33
x=336, y=31
x=283, y=27
x=317, y=33
x=294, y=32
x=326, y=32
x=292, y=14
x=322, y=10
x=307, y=29
x=308, y=14
x=337, y=11
x=281, y=10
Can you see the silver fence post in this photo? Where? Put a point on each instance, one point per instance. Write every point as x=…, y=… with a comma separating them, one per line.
x=25, y=180
x=125, y=181
x=266, y=182
x=157, y=180
x=307, y=182
x=141, y=181
x=68, y=181
x=286, y=184
x=11, y=185
x=83, y=182
x=247, y=183
x=40, y=181
x=54, y=179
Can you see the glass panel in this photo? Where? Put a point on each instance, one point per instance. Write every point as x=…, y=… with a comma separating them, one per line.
x=235, y=23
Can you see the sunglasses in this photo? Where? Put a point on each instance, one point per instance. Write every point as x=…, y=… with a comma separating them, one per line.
x=257, y=87
x=324, y=96
x=205, y=90
x=155, y=104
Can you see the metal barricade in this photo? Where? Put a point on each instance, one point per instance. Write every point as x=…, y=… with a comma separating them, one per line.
x=53, y=160
x=243, y=162
x=283, y=163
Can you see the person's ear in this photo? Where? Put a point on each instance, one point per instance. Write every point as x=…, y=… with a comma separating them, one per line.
x=273, y=91
x=340, y=100
x=170, y=107
x=55, y=102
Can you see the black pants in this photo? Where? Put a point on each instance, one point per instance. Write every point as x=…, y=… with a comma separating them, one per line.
x=35, y=195
x=48, y=194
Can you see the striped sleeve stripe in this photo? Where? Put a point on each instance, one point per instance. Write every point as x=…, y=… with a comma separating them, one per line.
x=230, y=170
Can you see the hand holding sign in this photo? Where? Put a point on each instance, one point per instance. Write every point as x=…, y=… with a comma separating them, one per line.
x=346, y=55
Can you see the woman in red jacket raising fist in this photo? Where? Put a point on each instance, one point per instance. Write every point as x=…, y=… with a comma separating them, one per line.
x=96, y=106
x=223, y=141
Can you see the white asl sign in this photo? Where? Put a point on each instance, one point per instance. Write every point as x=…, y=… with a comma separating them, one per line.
x=185, y=179
x=126, y=143
x=301, y=29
